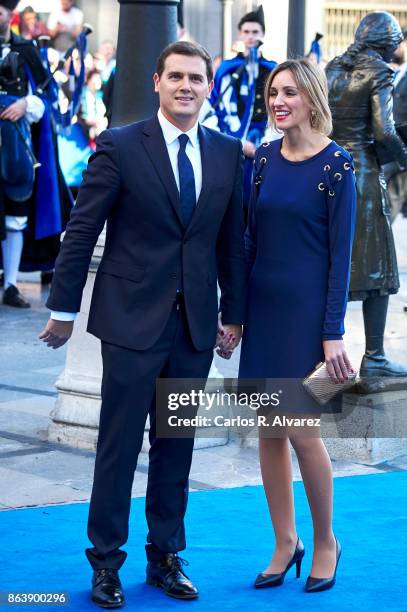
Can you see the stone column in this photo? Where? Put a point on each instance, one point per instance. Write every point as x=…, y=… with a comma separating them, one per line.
x=145, y=28
x=296, y=28
x=227, y=33
x=75, y=418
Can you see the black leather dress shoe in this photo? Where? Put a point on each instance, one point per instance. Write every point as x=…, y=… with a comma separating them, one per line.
x=167, y=574
x=264, y=581
x=12, y=297
x=314, y=585
x=107, y=589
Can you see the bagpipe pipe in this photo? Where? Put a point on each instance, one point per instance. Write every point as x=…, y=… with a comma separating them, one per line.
x=20, y=169
x=50, y=88
x=252, y=59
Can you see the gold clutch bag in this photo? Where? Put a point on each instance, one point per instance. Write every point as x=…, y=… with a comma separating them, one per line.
x=322, y=388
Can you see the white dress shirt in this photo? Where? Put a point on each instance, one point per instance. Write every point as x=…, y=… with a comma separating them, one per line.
x=193, y=150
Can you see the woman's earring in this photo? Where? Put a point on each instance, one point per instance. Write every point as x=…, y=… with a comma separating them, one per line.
x=313, y=118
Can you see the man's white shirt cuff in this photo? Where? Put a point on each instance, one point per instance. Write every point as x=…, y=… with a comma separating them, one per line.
x=63, y=316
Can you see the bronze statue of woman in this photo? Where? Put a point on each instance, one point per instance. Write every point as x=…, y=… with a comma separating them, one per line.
x=361, y=99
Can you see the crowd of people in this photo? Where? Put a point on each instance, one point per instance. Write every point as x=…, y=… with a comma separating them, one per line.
x=315, y=232
x=32, y=219
x=62, y=27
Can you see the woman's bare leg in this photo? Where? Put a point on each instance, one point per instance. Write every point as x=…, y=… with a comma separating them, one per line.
x=276, y=471
x=316, y=471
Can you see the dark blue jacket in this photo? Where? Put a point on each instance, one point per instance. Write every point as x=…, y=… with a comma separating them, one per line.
x=149, y=255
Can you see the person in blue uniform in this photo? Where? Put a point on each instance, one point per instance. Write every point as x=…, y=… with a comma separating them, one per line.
x=237, y=95
x=34, y=207
x=298, y=246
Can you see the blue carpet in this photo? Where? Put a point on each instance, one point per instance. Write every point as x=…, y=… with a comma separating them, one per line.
x=229, y=541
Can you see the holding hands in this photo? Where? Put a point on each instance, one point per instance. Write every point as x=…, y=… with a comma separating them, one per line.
x=337, y=361
x=227, y=339
x=249, y=149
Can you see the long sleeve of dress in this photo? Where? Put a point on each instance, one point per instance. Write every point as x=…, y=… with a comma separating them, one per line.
x=341, y=202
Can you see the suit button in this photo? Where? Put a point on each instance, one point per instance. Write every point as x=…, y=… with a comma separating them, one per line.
x=174, y=275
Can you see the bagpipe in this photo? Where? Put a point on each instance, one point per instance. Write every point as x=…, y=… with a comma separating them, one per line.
x=50, y=87
x=17, y=160
x=315, y=49
x=20, y=169
x=251, y=61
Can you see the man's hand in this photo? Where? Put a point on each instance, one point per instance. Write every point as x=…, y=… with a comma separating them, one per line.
x=249, y=149
x=56, y=333
x=227, y=339
x=15, y=111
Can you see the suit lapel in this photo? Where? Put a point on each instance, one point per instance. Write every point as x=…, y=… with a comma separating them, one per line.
x=154, y=143
x=208, y=162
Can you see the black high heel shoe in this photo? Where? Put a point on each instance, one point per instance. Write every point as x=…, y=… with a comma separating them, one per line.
x=314, y=585
x=272, y=580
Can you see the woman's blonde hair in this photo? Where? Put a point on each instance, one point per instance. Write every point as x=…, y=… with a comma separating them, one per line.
x=311, y=81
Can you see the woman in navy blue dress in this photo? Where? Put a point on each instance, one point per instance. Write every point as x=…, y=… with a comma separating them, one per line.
x=298, y=245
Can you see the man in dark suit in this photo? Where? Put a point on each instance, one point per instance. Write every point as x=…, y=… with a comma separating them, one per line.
x=171, y=193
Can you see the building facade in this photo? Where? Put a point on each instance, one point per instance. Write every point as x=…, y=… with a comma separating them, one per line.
x=204, y=22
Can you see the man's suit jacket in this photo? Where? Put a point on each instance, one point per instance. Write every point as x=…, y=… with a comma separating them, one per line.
x=149, y=255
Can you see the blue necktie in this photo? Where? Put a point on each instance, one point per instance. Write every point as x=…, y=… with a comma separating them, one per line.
x=187, y=194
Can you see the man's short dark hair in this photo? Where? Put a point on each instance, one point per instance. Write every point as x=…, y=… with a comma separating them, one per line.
x=183, y=47
x=256, y=16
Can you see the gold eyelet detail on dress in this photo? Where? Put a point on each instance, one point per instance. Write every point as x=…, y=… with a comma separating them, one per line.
x=331, y=193
x=327, y=167
x=263, y=160
x=321, y=187
x=337, y=153
x=339, y=175
x=346, y=165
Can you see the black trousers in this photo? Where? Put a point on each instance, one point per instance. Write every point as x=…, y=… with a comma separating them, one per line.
x=128, y=396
